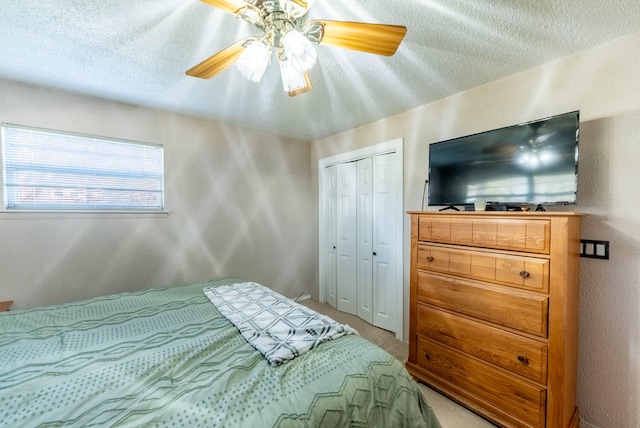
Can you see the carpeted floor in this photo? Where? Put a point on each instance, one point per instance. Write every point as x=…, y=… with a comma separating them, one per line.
x=451, y=414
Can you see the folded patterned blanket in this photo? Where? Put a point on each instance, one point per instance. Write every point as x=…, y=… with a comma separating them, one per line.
x=279, y=328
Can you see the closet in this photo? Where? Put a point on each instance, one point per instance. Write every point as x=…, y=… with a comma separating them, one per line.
x=361, y=238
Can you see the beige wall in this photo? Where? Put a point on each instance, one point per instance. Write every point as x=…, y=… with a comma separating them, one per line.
x=238, y=202
x=604, y=84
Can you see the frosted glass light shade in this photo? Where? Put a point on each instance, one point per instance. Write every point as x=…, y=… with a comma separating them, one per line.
x=254, y=61
x=299, y=50
x=292, y=79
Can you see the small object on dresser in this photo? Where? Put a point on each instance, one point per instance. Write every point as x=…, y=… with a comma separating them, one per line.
x=480, y=205
x=4, y=306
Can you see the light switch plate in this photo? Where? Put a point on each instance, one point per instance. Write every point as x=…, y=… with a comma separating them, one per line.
x=594, y=249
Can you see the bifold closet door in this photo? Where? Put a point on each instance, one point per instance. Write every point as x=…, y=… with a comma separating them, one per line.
x=331, y=227
x=385, y=239
x=360, y=219
x=364, y=251
x=377, y=238
x=346, y=251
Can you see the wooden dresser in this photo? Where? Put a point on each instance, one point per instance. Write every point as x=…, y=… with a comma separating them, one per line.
x=494, y=312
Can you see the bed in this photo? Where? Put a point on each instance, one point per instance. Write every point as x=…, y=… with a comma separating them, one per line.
x=167, y=357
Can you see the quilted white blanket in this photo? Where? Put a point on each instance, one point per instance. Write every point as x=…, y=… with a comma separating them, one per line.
x=279, y=328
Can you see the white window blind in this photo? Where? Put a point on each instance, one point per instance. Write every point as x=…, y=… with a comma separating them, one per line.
x=53, y=170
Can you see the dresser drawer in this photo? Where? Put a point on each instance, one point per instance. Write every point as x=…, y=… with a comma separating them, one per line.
x=527, y=235
x=444, y=260
x=521, y=399
x=512, y=352
x=519, y=310
x=529, y=273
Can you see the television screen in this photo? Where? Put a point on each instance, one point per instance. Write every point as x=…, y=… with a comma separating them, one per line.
x=530, y=163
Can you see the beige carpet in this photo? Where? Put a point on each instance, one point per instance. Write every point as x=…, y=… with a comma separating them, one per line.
x=450, y=414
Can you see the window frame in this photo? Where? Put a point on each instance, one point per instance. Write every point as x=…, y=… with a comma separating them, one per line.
x=87, y=138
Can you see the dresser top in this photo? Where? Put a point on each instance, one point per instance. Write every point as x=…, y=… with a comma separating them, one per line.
x=501, y=213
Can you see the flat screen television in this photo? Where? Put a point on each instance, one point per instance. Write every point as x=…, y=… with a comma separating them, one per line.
x=530, y=163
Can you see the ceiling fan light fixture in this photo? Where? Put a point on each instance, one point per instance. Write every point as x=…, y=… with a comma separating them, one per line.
x=292, y=79
x=254, y=60
x=299, y=50
x=285, y=30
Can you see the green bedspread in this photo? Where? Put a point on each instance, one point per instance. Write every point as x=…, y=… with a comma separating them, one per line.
x=166, y=357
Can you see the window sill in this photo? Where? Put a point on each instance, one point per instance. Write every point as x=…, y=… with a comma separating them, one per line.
x=26, y=214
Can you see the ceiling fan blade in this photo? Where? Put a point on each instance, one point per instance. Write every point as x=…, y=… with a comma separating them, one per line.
x=218, y=62
x=381, y=39
x=307, y=87
x=229, y=6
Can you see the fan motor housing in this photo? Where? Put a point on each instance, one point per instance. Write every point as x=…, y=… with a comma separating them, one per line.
x=290, y=8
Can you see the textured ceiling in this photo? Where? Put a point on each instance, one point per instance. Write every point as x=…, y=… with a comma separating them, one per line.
x=137, y=51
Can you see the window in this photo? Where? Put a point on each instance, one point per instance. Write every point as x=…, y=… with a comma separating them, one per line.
x=52, y=170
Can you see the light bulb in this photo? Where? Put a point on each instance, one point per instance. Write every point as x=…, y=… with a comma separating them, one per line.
x=548, y=157
x=299, y=50
x=292, y=79
x=254, y=61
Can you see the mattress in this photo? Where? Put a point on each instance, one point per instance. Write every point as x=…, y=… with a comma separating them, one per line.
x=166, y=357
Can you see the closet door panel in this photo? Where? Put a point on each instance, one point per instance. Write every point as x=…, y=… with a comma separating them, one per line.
x=331, y=227
x=347, y=241
x=364, y=220
x=384, y=240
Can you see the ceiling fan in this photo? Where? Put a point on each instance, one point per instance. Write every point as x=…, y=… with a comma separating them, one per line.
x=285, y=30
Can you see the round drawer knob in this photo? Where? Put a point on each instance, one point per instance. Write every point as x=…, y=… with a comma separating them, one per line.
x=430, y=259
x=524, y=274
x=427, y=356
x=523, y=359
